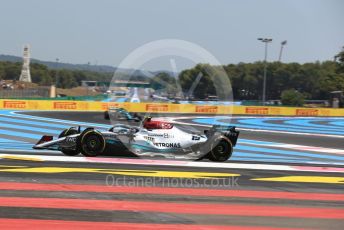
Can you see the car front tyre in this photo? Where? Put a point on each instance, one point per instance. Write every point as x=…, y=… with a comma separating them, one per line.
x=92, y=143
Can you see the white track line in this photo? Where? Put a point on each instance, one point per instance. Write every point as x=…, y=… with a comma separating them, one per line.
x=193, y=164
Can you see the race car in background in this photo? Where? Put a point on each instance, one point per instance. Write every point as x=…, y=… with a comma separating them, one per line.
x=121, y=114
x=153, y=139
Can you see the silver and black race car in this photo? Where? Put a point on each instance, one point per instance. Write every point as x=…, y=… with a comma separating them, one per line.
x=115, y=113
x=154, y=138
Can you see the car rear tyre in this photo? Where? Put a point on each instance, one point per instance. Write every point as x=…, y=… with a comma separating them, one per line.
x=221, y=149
x=92, y=143
x=69, y=152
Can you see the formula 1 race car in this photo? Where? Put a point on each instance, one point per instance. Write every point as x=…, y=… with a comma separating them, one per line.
x=153, y=139
x=121, y=114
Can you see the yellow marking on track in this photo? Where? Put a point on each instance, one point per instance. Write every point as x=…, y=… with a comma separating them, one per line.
x=11, y=157
x=305, y=179
x=144, y=173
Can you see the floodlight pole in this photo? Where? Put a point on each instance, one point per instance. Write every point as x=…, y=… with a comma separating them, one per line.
x=57, y=75
x=266, y=41
x=281, y=50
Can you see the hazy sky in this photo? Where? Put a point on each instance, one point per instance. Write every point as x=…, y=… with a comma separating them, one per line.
x=105, y=31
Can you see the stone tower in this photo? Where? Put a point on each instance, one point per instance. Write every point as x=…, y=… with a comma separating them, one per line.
x=25, y=72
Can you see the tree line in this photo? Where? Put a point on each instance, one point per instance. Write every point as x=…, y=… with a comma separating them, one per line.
x=312, y=81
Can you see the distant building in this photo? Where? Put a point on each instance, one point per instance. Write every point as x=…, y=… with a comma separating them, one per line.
x=89, y=84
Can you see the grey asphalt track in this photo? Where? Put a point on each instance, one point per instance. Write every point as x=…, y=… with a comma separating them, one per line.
x=243, y=183
x=21, y=172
